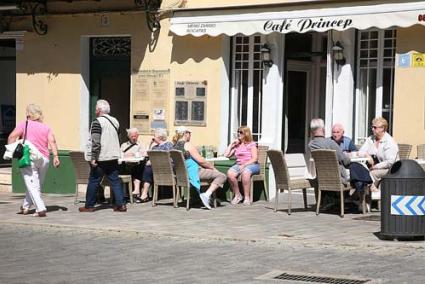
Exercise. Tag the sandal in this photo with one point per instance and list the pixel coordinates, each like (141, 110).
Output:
(247, 202)
(142, 200)
(237, 199)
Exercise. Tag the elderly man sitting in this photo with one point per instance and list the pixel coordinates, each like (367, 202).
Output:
(134, 148)
(344, 142)
(317, 128)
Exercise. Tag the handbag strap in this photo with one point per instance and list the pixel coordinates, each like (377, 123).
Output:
(25, 133)
(111, 123)
(129, 147)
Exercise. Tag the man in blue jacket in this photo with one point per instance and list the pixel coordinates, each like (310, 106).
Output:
(343, 142)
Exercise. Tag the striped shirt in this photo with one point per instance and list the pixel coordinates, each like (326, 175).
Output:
(243, 152)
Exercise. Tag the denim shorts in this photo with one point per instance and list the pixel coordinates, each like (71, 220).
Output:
(252, 168)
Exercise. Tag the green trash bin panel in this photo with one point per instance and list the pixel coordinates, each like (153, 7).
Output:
(58, 180)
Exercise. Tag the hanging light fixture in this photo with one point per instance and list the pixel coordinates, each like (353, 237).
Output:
(266, 55)
(338, 53)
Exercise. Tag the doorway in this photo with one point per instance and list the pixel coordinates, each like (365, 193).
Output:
(7, 92)
(305, 87)
(297, 93)
(110, 71)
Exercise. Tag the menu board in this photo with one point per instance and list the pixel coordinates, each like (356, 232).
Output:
(150, 90)
(190, 102)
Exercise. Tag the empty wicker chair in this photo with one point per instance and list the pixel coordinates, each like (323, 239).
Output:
(82, 170)
(163, 174)
(262, 160)
(125, 180)
(328, 177)
(404, 151)
(283, 181)
(182, 178)
(82, 173)
(421, 151)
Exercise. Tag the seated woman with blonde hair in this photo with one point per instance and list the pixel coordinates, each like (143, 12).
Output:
(382, 151)
(246, 152)
(197, 168)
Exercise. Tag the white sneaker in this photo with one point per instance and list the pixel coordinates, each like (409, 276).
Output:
(205, 200)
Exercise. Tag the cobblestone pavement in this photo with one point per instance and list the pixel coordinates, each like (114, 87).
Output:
(230, 244)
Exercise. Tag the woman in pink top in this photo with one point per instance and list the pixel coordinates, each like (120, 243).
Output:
(246, 153)
(41, 136)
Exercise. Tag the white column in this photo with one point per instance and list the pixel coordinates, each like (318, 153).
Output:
(273, 101)
(343, 85)
(225, 87)
(84, 91)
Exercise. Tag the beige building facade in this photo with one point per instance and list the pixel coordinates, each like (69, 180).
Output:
(345, 61)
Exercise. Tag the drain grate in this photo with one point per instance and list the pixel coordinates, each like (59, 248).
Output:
(319, 279)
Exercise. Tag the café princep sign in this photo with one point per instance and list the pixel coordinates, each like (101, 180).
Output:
(306, 24)
(269, 26)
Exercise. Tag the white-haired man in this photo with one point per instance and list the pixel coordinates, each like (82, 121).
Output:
(344, 142)
(134, 148)
(317, 129)
(104, 157)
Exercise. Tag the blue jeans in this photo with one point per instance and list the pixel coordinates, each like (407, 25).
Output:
(110, 169)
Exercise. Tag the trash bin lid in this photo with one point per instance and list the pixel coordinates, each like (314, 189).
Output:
(405, 169)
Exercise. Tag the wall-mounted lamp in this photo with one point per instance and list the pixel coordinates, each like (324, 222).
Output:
(265, 55)
(338, 53)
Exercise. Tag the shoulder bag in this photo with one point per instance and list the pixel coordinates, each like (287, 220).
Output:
(19, 150)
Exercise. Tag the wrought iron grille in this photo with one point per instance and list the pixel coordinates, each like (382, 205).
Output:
(111, 46)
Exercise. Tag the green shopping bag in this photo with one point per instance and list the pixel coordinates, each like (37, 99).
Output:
(25, 161)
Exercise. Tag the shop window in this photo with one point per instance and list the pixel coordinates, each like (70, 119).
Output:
(247, 82)
(190, 103)
(375, 79)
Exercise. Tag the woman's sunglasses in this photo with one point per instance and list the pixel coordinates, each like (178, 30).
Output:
(240, 132)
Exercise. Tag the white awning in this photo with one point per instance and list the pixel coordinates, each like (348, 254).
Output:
(266, 21)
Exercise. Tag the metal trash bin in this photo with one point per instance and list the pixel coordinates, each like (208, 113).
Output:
(403, 200)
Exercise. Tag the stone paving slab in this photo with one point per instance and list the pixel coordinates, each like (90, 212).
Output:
(256, 224)
(61, 255)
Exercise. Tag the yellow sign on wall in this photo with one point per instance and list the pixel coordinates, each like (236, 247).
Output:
(418, 60)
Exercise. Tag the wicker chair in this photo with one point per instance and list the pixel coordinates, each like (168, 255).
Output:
(328, 178)
(262, 160)
(404, 151)
(82, 170)
(182, 178)
(163, 174)
(421, 151)
(125, 180)
(283, 181)
(82, 173)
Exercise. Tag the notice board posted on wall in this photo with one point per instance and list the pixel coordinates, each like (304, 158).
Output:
(190, 103)
(150, 98)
